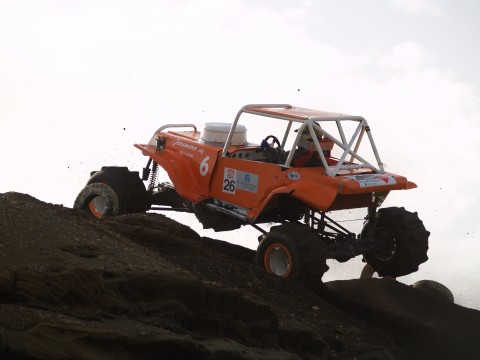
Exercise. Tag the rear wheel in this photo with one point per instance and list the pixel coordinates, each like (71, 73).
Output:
(404, 239)
(292, 251)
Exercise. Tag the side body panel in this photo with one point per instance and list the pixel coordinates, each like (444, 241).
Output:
(245, 183)
(198, 172)
(188, 163)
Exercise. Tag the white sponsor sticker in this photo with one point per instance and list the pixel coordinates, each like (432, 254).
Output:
(370, 180)
(229, 180)
(236, 179)
(247, 181)
(293, 175)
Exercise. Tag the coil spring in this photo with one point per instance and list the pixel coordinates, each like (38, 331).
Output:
(153, 176)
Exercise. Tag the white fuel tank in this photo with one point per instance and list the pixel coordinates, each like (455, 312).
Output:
(217, 132)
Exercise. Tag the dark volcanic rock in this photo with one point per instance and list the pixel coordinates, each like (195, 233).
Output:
(145, 287)
(425, 326)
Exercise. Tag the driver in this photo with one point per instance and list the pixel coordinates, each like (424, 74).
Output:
(306, 141)
(306, 154)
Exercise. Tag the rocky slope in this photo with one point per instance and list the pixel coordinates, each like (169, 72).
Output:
(146, 287)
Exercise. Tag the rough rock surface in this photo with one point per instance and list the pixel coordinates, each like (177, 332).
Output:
(145, 287)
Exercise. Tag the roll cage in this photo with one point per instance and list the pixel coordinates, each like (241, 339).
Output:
(312, 120)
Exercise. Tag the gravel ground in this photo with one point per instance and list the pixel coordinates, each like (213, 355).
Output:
(137, 286)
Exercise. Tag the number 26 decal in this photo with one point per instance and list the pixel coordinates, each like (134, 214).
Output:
(204, 166)
(229, 186)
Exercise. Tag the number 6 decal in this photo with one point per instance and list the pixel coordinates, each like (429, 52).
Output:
(204, 166)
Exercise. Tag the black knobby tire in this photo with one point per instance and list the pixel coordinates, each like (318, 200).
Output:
(131, 196)
(128, 185)
(405, 239)
(292, 251)
(434, 288)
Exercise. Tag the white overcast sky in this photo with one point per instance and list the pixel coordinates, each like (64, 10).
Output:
(81, 81)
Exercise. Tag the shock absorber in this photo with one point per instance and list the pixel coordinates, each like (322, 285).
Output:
(153, 176)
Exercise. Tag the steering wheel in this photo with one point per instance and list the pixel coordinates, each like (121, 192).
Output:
(275, 141)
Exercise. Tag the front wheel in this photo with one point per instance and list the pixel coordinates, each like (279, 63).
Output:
(99, 200)
(113, 191)
(292, 251)
(404, 239)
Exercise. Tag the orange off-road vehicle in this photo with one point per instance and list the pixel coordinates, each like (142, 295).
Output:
(309, 165)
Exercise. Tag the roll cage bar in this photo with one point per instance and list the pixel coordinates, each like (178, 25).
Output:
(308, 120)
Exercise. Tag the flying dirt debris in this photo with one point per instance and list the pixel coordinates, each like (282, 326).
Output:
(311, 165)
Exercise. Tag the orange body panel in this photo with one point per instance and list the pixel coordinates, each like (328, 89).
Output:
(198, 172)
